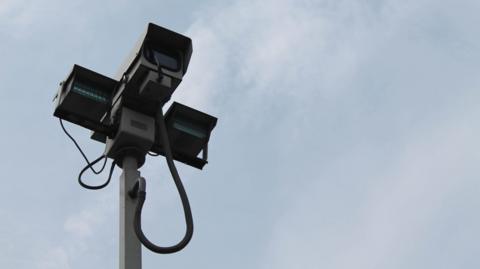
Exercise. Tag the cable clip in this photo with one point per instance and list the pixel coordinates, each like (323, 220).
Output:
(139, 189)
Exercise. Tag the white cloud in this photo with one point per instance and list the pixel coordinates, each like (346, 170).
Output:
(56, 258)
(7, 5)
(82, 230)
(346, 134)
(257, 50)
(82, 224)
(386, 221)
(372, 96)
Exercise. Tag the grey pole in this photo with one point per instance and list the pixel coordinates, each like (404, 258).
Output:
(130, 247)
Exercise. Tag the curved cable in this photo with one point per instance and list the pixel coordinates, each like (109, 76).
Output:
(90, 187)
(141, 194)
(81, 151)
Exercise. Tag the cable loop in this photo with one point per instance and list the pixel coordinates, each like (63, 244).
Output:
(140, 188)
(101, 186)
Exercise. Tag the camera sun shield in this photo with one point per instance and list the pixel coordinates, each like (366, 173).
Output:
(84, 98)
(162, 47)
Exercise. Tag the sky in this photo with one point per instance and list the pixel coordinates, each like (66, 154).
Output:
(347, 134)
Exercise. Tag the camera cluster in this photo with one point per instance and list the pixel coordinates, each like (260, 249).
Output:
(124, 112)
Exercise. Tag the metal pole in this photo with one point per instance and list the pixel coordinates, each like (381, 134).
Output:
(130, 247)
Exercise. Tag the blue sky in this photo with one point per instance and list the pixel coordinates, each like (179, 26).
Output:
(347, 134)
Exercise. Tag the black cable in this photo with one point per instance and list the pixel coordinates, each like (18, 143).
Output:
(80, 181)
(141, 195)
(81, 151)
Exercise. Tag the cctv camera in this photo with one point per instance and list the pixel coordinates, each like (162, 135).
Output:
(153, 70)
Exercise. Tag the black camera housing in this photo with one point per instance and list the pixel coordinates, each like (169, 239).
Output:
(84, 98)
(153, 70)
(188, 132)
